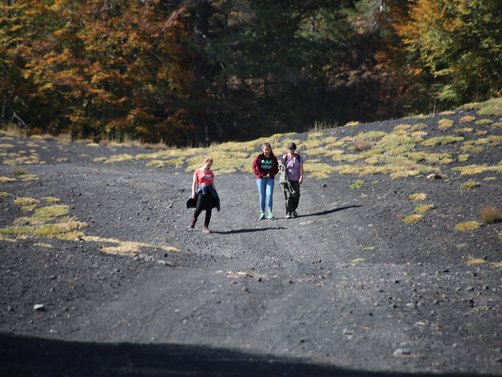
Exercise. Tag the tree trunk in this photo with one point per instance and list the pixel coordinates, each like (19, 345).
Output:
(200, 66)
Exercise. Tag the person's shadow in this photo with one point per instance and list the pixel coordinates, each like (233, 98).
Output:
(327, 212)
(247, 230)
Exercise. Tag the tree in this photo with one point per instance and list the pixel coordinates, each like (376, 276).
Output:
(454, 48)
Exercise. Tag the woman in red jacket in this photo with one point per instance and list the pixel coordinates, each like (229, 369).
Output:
(265, 167)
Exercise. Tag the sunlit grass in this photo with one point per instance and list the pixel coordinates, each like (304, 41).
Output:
(467, 119)
(7, 179)
(444, 124)
(417, 196)
(27, 204)
(51, 199)
(478, 169)
(475, 261)
(319, 170)
(463, 157)
(469, 185)
(51, 212)
(491, 107)
(441, 140)
(467, 226)
(424, 208)
(483, 122)
(412, 219)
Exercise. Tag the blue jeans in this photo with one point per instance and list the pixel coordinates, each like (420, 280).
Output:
(266, 191)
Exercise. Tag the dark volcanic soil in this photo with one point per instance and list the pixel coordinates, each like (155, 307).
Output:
(344, 289)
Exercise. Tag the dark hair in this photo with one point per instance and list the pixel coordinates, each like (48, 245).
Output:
(291, 146)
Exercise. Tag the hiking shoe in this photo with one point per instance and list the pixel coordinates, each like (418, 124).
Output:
(205, 230)
(192, 225)
(294, 214)
(262, 216)
(288, 215)
(270, 216)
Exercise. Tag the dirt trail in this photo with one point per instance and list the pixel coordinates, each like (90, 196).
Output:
(283, 287)
(324, 287)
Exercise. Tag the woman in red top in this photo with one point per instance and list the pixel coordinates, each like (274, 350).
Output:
(204, 190)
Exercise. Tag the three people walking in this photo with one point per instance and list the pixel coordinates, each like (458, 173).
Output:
(265, 167)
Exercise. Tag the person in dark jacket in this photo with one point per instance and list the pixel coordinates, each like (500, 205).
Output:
(204, 192)
(265, 167)
(293, 163)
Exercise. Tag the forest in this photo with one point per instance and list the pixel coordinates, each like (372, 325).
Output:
(195, 72)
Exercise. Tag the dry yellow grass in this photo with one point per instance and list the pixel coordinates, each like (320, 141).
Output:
(422, 209)
(467, 226)
(467, 119)
(475, 261)
(7, 180)
(417, 196)
(444, 124)
(469, 185)
(412, 219)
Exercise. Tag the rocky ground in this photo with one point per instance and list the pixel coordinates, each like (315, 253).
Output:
(347, 288)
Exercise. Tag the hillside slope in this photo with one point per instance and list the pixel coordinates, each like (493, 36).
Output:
(389, 268)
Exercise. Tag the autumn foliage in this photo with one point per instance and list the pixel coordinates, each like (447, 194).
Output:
(191, 72)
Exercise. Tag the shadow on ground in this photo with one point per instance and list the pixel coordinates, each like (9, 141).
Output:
(327, 212)
(28, 356)
(250, 230)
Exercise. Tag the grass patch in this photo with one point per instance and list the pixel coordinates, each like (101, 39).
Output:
(478, 169)
(463, 157)
(417, 197)
(51, 199)
(352, 124)
(412, 219)
(468, 226)
(475, 261)
(319, 170)
(4, 194)
(43, 244)
(490, 214)
(99, 159)
(119, 158)
(51, 212)
(469, 185)
(424, 208)
(467, 119)
(497, 264)
(444, 124)
(356, 185)
(441, 140)
(7, 180)
(483, 122)
(491, 107)
(27, 204)
(19, 172)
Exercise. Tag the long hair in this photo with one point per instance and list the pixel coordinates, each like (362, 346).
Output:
(267, 144)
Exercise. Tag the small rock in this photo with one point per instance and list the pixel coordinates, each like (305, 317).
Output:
(401, 351)
(39, 307)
